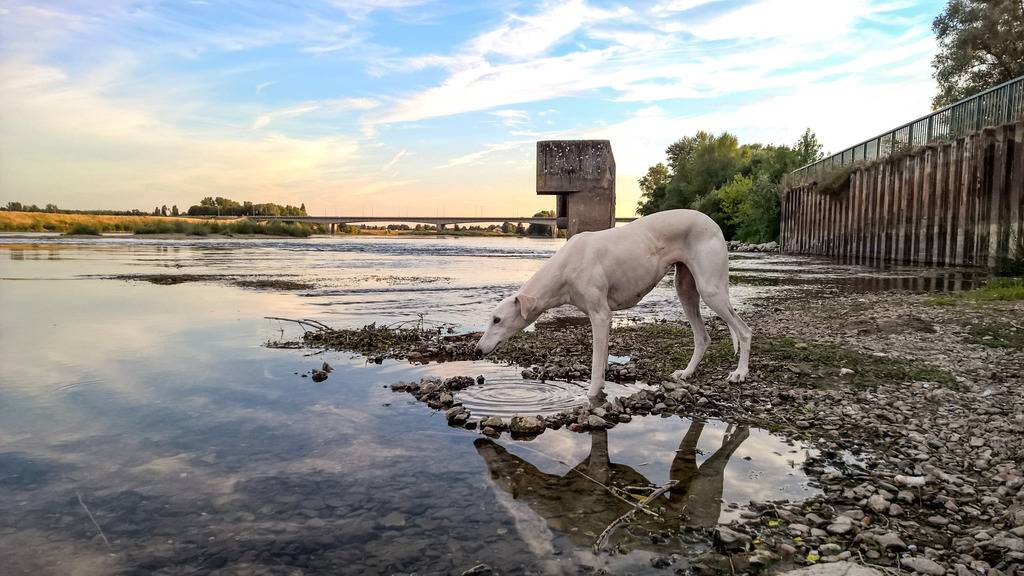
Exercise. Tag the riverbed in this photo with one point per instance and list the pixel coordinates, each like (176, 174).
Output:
(146, 428)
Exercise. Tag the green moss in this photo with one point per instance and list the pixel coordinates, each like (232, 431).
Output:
(998, 335)
(996, 289)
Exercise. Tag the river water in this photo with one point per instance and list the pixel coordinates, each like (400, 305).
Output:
(146, 428)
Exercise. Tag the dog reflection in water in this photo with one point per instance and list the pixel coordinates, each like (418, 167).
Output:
(575, 505)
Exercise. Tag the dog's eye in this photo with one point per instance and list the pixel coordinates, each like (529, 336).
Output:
(496, 320)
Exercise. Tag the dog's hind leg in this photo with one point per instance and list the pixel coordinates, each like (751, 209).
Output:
(711, 274)
(690, 299)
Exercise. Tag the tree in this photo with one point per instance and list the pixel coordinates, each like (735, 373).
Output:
(980, 46)
(808, 149)
(156, 211)
(709, 161)
(174, 210)
(163, 210)
(52, 208)
(652, 187)
(540, 229)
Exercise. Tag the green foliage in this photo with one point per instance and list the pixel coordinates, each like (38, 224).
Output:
(219, 206)
(80, 229)
(540, 229)
(996, 289)
(737, 185)
(980, 46)
(247, 227)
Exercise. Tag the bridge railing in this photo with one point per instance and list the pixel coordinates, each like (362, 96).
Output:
(997, 105)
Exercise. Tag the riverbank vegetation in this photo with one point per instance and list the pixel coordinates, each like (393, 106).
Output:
(92, 224)
(737, 185)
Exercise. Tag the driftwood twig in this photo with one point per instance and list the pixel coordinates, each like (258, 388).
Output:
(625, 517)
(303, 323)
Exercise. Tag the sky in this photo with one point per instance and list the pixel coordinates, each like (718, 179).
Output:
(421, 107)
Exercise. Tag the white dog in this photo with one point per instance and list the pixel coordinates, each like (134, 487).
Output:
(600, 272)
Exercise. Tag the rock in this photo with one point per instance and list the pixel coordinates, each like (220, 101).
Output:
(488, 431)
(891, 541)
(526, 425)
(596, 422)
(845, 371)
(910, 480)
(494, 422)
(393, 520)
(660, 562)
(922, 565)
(319, 375)
(730, 540)
(480, 380)
(830, 549)
(327, 367)
(479, 570)
(895, 509)
(878, 504)
(834, 569)
(1007, 543)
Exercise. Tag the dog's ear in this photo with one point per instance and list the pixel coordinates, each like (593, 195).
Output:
(526, 305)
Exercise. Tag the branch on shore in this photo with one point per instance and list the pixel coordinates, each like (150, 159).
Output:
(303, 322)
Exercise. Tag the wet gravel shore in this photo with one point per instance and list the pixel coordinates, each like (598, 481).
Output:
(915, 405)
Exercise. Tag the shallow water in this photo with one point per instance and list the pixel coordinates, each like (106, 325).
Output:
(146, 429)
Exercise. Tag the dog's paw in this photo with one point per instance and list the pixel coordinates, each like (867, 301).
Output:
(737, 376)
(680, 375)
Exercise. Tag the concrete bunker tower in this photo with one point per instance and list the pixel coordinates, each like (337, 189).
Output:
(581, 174)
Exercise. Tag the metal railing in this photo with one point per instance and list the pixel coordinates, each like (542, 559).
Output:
(997, 105)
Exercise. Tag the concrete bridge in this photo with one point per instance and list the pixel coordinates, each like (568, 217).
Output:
(441, 222)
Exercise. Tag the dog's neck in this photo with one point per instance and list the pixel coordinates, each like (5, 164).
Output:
(545, 291)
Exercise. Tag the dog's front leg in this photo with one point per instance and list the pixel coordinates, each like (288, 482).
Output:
(600, 323)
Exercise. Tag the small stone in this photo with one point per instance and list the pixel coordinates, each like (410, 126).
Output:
(834, 569)
(830, 549)
(327, 367)
(488, 431)
(494, 422)
(319, 375)
(878, 504)
(393, 520)
(891, 541)
(480, 379)
(526, 425)
(596, 422)
(895, 509)
(730, 540)
(923, 565)
(660, 562)
(845, 371)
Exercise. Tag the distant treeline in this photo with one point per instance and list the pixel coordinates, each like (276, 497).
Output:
(218, 206)
(208, 206)
(54, 209)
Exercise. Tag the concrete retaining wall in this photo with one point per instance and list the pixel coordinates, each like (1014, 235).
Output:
(947, 203)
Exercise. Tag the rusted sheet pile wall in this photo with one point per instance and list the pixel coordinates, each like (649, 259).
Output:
(947, 203)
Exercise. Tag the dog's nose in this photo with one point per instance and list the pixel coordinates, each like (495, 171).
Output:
(478, 352)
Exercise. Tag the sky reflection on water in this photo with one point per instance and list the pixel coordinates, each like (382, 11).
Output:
(196, 448)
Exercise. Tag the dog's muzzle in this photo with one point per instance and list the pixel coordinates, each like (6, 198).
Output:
(478, 352)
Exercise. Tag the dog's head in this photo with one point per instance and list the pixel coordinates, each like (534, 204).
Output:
(512, 315)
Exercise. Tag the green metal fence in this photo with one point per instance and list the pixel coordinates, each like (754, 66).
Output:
(997, 105)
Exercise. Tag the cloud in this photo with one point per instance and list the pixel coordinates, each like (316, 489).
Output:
(512, 117)
(394, 160)
(264, 119)
(263, 86)
(770, 44)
